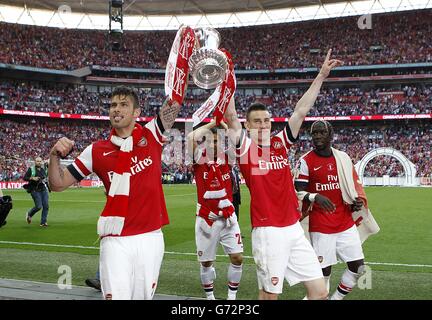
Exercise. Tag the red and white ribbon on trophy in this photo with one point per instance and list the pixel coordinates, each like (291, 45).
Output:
(220, 99)
(177, 70)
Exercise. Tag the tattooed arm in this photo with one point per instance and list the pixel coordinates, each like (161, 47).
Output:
(233, 122)
(168, 113)
(60, 178)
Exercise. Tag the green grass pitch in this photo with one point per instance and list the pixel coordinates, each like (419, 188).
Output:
(400, 255)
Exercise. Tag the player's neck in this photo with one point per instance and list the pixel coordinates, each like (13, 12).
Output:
(124, 132)
(327, 152)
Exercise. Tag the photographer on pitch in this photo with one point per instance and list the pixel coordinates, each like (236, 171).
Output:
(38, 188)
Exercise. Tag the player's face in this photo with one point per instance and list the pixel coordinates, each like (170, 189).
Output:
(259, 126)
(122, 112)
(214, 146)
(320, 137)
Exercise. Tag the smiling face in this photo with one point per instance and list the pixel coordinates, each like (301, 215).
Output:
(258, 123)
(122, 112)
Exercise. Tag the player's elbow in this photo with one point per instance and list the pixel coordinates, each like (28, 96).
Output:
(300, 112)
(56, 187)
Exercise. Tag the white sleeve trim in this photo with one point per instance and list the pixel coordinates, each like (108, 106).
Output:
(245, 144)
(86, 157)
(154, 129)
(304, 169)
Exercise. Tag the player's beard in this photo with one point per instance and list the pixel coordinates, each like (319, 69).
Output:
(321, 144)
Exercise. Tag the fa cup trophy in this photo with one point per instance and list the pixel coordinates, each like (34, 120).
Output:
(207, 64)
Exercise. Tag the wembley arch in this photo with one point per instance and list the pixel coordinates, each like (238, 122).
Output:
(408, 167)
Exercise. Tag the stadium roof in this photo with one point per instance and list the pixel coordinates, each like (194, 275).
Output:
(170, 14)
(169, 7)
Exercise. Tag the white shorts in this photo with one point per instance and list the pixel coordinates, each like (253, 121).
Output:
(129, 266)
(283, 253)
(207, 243)
(346, 245)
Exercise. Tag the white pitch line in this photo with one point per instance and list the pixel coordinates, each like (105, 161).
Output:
(192, 254)
(48, 245)
(50, 200)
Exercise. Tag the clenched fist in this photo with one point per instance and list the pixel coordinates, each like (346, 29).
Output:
(62, 148)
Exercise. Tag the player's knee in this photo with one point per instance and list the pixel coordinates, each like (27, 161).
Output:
(265, 295)
(321, 294)
(207, 264)
(236, 259)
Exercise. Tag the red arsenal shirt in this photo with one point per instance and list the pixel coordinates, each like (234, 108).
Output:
(321, 175)
(268, 176)
(201, 170)
(147, 210)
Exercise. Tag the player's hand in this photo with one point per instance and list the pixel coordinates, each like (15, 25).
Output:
(329, 64)
(325, 203)
(213, 216)
(62, 148)
(357, 205)
(224, 125)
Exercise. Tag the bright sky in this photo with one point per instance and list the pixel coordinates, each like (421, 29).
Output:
(64, 18)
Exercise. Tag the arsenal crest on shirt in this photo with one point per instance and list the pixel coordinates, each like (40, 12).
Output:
(277, 144)
(142, 142)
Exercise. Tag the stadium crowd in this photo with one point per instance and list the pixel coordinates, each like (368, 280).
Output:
(342, 101)
(393, 38)
(21, 141)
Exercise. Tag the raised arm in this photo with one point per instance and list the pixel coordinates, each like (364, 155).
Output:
(60, 178)
(308, 99)
(168, 113)
(234, 125)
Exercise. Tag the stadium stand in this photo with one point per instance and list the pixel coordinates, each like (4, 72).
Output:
(293, 45)
(332, 101)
